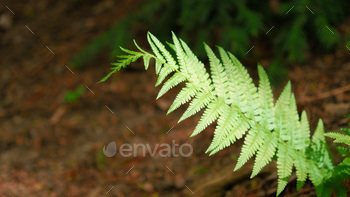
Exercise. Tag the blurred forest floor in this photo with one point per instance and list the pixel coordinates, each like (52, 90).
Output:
(49, 147)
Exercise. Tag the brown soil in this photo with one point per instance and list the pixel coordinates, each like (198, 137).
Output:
(50, 147)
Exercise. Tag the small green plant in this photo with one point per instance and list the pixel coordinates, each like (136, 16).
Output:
(228, 95)
(74, 95)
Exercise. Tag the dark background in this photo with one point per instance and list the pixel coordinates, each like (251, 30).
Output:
(53, 128)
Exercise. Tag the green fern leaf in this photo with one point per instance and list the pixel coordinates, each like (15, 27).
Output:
(201, 100)
(214, 109)
(197, 70)
(296, 134)
(180, 53)
(282, 113)
(164, 72)
(239, 127)
(146, 60)
(224, 125)
(284, 165)
(233, 86)
(267, 111)
(339, 138)
(300, 163)
(284, 160)
(318, 136)
(167, 56)
(155, 49)
(174, 80)
(134, 53)
(218, 74)
(247, 91)
(315, 174)
(282, 183)
(321, 149)
(108, 75)
(265, 153)
(305, 128)
(252, 142)
(184, 96)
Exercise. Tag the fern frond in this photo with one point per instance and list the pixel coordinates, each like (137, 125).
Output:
(284, 160)
(224, 126)
(252, 142)
(198, 73)
(284, 165)
(315, 174)
(339, 138)
(154, 48)
(184, 96)
(214, 109)
(239, 128)
(166, 56)
(229, 96)
(294, 127)
(180, 53)
(320, 148)
(267, 111)
(247, 91)
(201, 100)
(318, 137)
(282, 113)
(174, 80)
(300, 163)
(218, 74)
(265, 153)
(304, 126)
(266, 118)
(123, 61)
(164, 72)
(233, 86)
(146, 60)
(281, 184)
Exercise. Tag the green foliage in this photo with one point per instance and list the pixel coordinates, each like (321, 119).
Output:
(234, 25)
(342, 170)
(339, 138)
(74, 95)
(242, 110)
